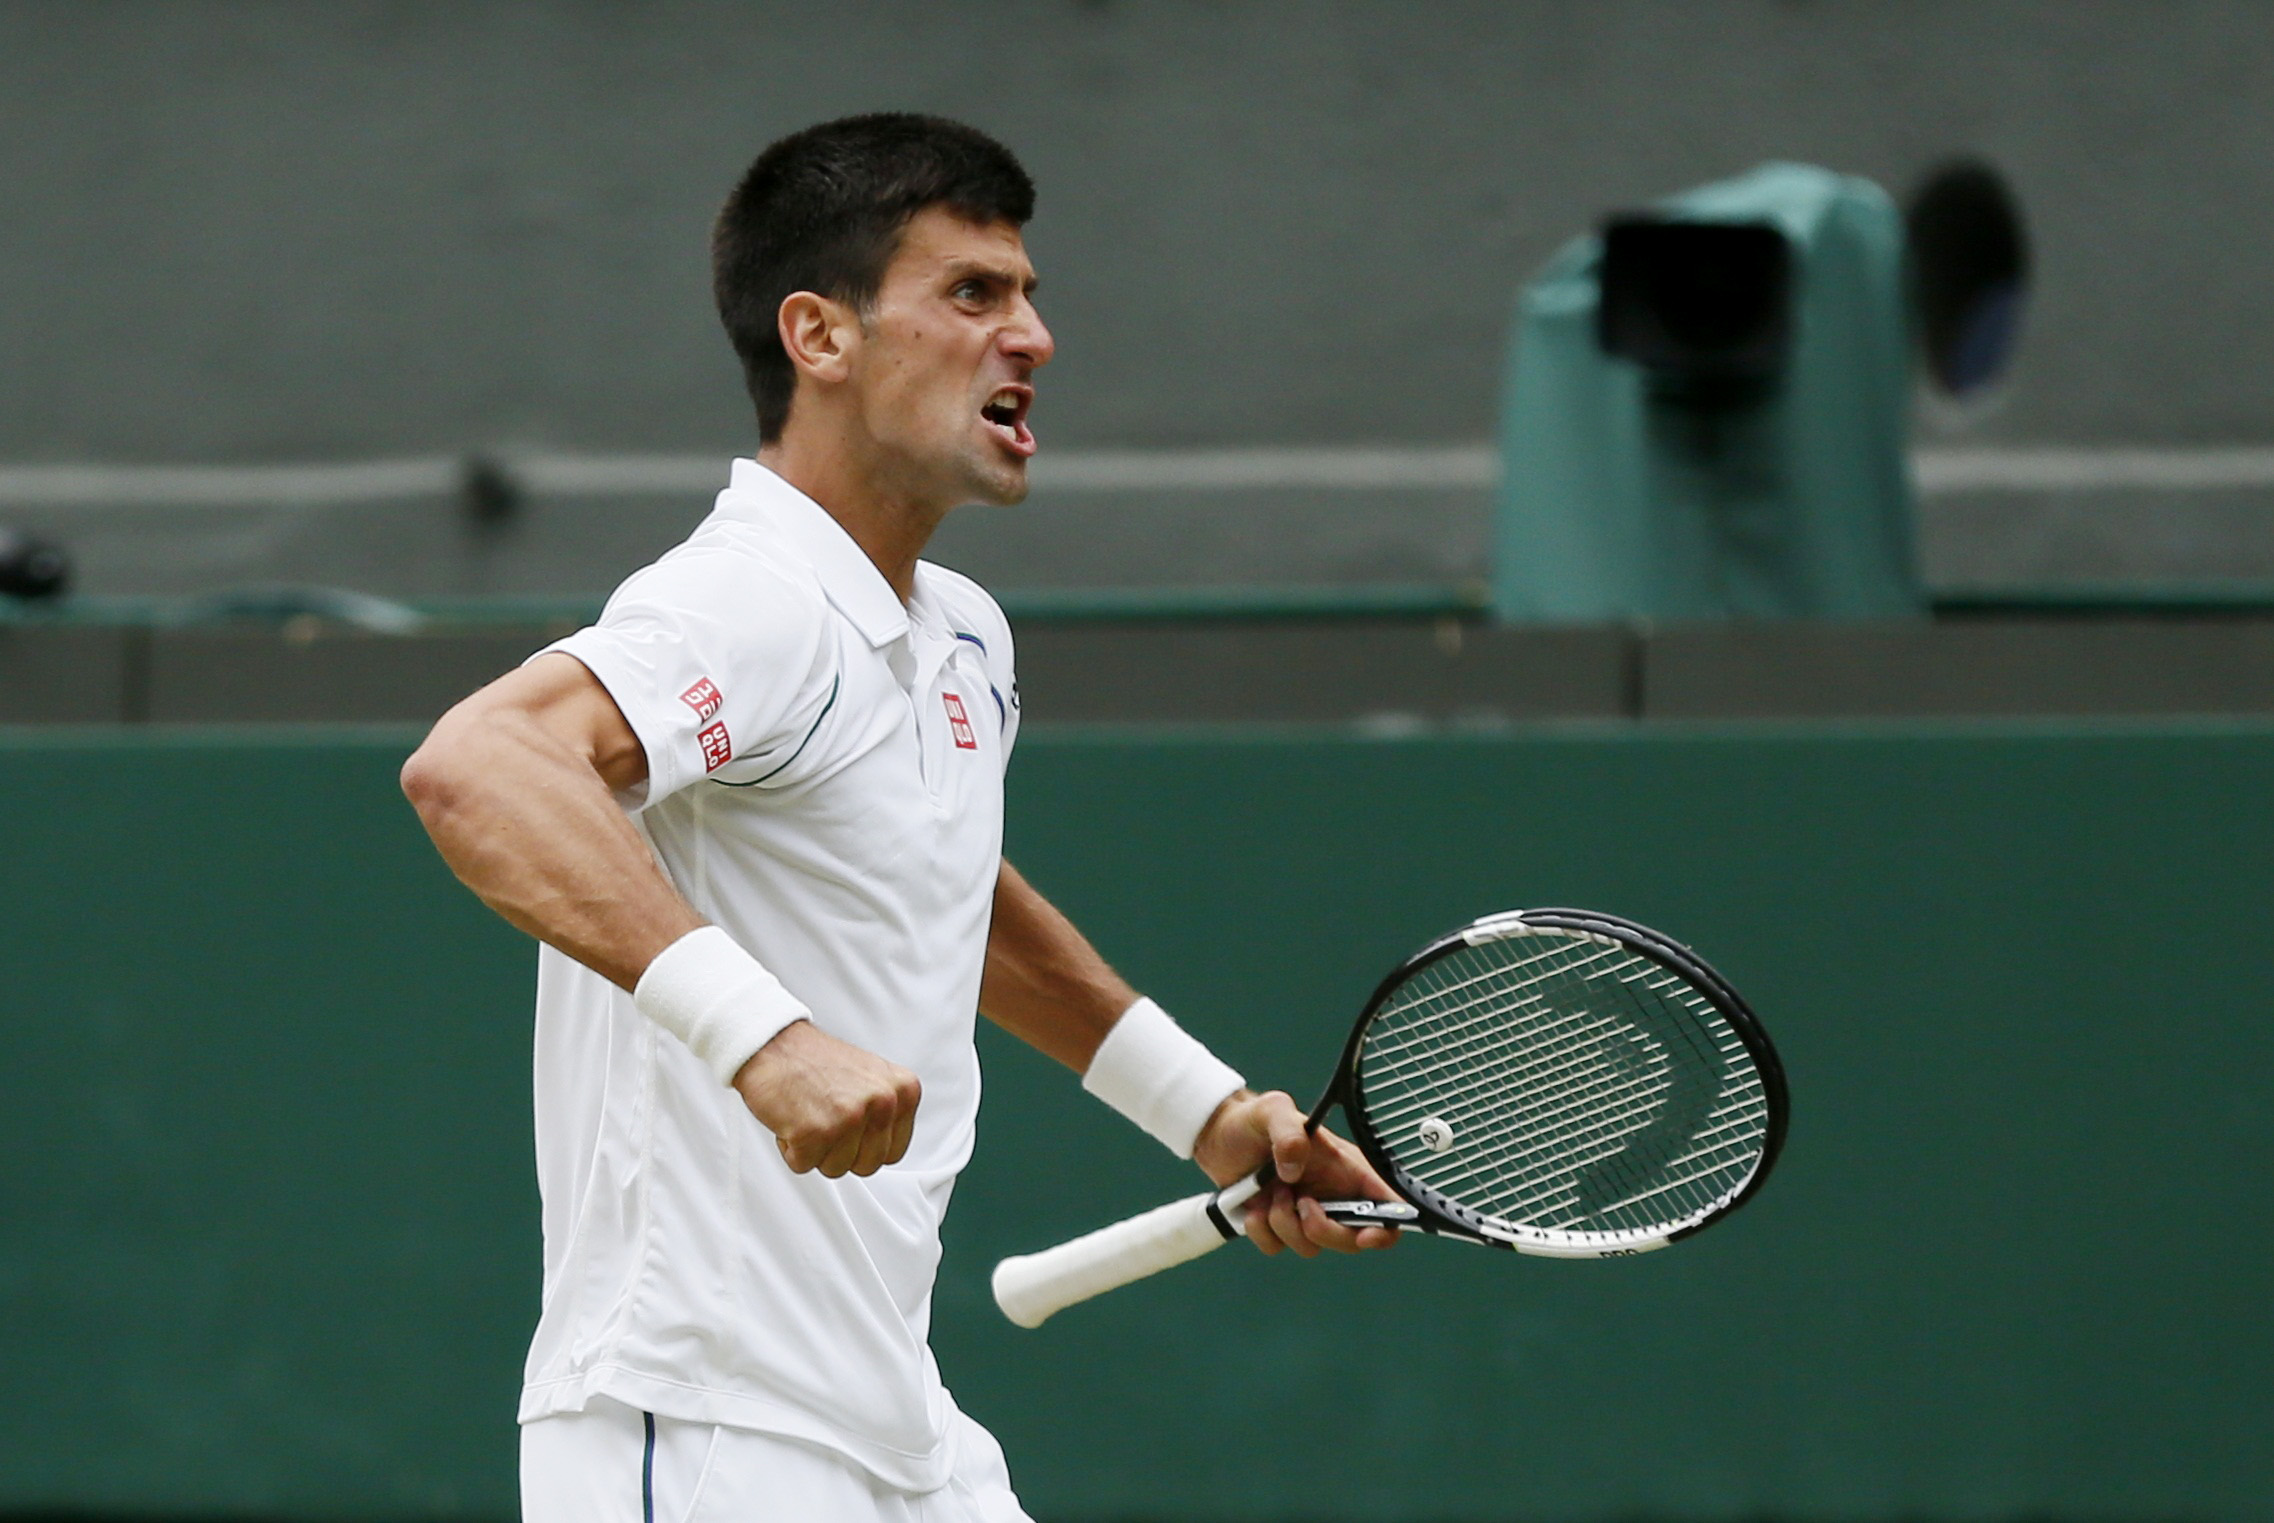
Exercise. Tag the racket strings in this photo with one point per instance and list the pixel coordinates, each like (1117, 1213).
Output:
(1592, 1118)
(1571, 1084)
(1480, 1048)
(1548, 1082)
(1636, 1168)
(1600, 1097)
(1614, 1154)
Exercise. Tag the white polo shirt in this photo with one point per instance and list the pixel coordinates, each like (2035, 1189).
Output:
(825, 783)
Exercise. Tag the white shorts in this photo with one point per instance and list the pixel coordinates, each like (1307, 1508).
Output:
(613, 1464)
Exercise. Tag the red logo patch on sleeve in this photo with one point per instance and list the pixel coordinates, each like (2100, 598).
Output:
(717, 749)
(704, 698)
(959, 724)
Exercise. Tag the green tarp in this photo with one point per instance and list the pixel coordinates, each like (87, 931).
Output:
(1616, 506)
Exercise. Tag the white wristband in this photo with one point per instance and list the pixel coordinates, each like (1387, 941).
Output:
(716, 998)
(1160, 1076)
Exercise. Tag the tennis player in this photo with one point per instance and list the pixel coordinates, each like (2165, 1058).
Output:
(755, 817)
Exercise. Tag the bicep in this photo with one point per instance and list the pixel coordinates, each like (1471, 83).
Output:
(558, 698)
(513, 785)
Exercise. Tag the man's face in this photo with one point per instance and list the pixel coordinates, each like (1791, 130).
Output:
(947, 361)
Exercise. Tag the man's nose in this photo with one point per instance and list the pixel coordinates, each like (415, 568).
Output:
(1028, 339)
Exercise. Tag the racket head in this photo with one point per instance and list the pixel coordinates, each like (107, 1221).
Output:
(1565, 1083)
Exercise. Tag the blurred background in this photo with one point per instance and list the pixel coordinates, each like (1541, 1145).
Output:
(1797, 473)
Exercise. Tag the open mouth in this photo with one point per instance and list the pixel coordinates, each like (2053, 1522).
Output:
(1005, 413)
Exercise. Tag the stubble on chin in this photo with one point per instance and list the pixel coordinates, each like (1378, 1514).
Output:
(997, 486)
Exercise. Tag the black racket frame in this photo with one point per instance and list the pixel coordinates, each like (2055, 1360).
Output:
(1440, 1216)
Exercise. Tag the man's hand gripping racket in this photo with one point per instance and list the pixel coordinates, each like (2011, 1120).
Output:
(1558, 1082)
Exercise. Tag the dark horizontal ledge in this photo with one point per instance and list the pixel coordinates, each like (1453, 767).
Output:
(1198, 604)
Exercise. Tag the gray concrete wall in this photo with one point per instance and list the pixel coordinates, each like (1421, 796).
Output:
(256, 229)
(267, 231)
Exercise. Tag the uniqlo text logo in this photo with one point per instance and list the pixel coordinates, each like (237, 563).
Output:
(959, 724)
(704, 698)
(717, 749)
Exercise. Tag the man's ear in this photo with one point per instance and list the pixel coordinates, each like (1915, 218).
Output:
(819, 335)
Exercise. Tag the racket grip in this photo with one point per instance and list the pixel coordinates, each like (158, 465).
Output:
(1031, 1287)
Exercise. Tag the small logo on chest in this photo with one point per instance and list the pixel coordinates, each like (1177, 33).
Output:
(959, 724)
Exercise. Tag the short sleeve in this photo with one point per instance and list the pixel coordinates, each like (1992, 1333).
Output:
(710, 654)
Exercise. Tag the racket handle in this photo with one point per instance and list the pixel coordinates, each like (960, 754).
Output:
(1032, 1286)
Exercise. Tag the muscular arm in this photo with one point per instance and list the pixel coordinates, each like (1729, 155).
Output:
(1046, 985)
(516, 786)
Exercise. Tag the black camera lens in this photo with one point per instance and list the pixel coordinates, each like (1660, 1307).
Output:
(31, 568)
(1699, 301)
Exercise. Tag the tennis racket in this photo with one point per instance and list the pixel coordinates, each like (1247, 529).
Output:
(1558, 1082)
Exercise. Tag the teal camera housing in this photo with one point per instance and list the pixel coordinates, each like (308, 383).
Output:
(1707, 413)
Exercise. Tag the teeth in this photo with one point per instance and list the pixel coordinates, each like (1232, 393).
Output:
(1007, 400)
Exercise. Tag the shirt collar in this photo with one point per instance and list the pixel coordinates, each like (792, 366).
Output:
(849, 578)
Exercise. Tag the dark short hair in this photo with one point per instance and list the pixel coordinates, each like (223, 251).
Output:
(822, 210)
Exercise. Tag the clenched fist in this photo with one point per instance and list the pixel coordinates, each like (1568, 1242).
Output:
(830, 1105)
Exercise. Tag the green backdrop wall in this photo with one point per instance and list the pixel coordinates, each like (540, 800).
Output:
(268, 1236)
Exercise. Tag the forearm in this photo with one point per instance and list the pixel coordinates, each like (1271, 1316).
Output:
(1045, 983)
(528, 824)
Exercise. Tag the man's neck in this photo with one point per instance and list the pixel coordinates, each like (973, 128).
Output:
(890, 524)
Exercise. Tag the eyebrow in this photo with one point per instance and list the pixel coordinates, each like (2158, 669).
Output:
(966, 269)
